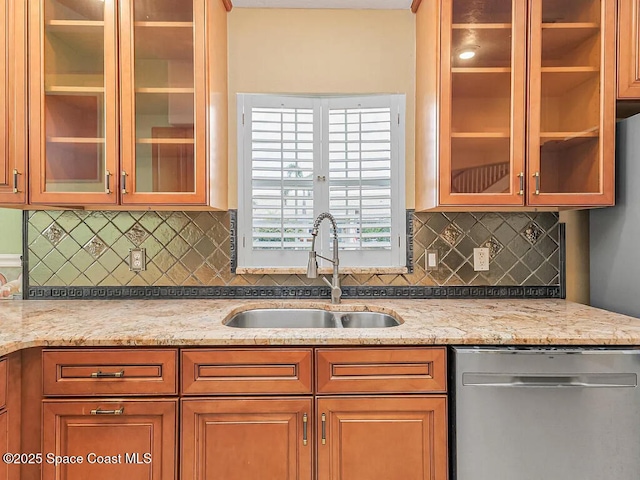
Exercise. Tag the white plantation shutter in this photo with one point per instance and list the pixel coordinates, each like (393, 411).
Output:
(300, 156)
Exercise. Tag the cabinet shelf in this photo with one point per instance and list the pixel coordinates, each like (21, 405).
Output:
(481, 26)
(164, 24)
(561, 42)
(559, 80)
(488, 82)
(70, 90)
(166, 141)
(164, 90)
(480, 135)
(74, 25)
(86, 140)
(82, 36)
(568, 139)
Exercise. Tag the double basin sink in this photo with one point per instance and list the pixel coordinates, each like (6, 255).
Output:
(309, 318)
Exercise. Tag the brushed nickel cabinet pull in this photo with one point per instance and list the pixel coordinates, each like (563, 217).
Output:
(521, 176)
(99, 411)
(107, 182)
(537, 177)
(124, 182)
(101, 374)
(15, 180)
(304, 429)
(324, 429)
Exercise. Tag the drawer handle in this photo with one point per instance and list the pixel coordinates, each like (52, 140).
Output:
(99, 411)
(324, 429)
(305, 420)
(101, 374)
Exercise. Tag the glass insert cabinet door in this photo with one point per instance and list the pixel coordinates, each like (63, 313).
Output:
(73, 95)
(163, 102)
(483, 102)
(572, 102)
(13, 102)
(117, 102)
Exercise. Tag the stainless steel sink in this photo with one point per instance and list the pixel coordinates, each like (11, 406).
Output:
(309, 318)
(367, 320)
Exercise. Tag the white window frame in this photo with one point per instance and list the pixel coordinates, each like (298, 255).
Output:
(274, 259)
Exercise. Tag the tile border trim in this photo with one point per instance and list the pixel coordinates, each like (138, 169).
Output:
(314, 292)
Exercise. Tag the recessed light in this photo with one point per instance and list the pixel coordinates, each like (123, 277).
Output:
(467, 53)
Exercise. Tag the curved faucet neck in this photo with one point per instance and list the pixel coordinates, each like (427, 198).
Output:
(318, 221)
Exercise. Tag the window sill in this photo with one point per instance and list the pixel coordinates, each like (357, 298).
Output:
(323, 271)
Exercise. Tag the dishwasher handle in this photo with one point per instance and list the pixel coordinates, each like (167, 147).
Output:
(588, 380)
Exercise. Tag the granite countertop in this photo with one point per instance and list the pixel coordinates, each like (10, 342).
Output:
(200, 322)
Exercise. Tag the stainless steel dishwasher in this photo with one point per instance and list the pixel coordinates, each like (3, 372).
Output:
(546, 413)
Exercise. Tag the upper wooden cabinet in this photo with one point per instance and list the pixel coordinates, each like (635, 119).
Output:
(521, 107)
(13, 102)
(628, 49)
(119, 101)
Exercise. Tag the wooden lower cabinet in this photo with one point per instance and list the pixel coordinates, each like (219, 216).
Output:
(382, 438)
(4, 443)
(132, 440)
(247, 438)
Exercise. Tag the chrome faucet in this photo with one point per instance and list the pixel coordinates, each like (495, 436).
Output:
(312, 267)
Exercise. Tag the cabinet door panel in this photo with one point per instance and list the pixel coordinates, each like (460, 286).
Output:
(239, 439)
(142, 427)
(382, 438)
(572, 102)
(73, 136)
(13, 102)
(483, 102)
(4, 443)
(628, 49)
(163, 102)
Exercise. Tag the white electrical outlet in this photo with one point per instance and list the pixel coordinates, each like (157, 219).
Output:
(431, 260)
(137, 260)
(481, 259)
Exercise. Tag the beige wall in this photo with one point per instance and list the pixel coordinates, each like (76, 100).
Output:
(321, 52)
(577, 224)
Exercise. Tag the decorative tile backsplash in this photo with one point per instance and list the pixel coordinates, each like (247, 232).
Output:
(80, 248)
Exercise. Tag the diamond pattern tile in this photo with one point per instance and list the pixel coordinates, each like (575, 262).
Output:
(137, 234)
(532, 233)
(494, 246)
(95, 247)
(451, 234)
(68, 220)
(54, 233)
(194, 248)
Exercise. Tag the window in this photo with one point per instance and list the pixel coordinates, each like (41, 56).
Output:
(301, 156)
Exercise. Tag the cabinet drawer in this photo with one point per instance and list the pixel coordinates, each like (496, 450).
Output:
(110, 372)
(381, 370)
(245, 371)
(3, 383)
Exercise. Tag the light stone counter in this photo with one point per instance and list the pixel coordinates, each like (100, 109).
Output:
(200, 322)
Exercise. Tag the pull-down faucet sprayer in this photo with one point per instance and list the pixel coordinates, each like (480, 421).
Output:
(312, 267)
